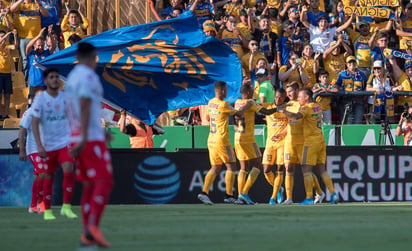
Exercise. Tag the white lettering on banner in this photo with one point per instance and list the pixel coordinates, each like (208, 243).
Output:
(364, 192)
(405, 165)
(381, 167)
(221, 184)
(332, 164)
(391, 167)
(391, 195)
(196, 182)
(356, 173)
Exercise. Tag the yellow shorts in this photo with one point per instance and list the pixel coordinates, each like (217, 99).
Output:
(219, 154)
(274, 154)
(314, 154)
(293, 152)
(247, 151)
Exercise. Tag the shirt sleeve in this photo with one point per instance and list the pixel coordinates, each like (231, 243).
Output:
(24, 122)
(227, 108)
(37, 109)
(85, 89)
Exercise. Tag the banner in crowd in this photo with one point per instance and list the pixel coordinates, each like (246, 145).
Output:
(155, 67)
(397, 54)
(368, 11)
(390, 3)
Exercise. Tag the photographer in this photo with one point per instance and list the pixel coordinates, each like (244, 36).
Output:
(405, 126)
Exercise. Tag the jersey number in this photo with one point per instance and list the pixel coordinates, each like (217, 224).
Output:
(212, 126)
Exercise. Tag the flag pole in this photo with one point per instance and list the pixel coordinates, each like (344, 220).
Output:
(148, 19)
(89, 16)
(117, 13)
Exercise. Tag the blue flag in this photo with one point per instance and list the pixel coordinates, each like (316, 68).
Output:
(155, 67)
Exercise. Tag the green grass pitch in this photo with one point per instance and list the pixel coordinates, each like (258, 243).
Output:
(347, 226)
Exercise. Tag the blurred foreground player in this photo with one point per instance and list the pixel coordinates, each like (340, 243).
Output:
(84, 94)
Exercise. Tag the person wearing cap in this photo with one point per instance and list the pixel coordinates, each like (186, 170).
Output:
(289, 41)
(321, 35)
(403, 78)
(351, 80)
(209, 28)
(265, 38)
(381, 104)
(334, 60)
(314, 14)
(266, 92)
(404, 30)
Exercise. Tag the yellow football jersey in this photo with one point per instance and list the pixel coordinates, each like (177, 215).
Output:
(334, 65)
(219, 112)
(245, 126)
(295, 127)
(312, 123)
(275, 124)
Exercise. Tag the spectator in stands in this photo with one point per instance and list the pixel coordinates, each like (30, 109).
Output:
(290, 41)
(381, 105)
(260, 6)
(334, 60)
(209, 28)
(140, 134)
(6, 86)
(73, 23)
(314, 14)
(338, 14)
(293, 72)
(351, 80)
(275, 22)
(321, 36)
(35, 52)
(243, 25)
(230, 34)
(203, 10)
(265, 38)
(403, 78)
(233, 8)
(168, 10)
(405, 127)
(261, 63)
(378, 45)
(249, 60)
(310, 64)
(54, 7)
(74, 38)
(266, 92)
(52, 43)
(404, 29)
(28, 24)
(5, 23)
(324, 86)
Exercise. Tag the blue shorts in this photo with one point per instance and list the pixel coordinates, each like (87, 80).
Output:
(6, 85)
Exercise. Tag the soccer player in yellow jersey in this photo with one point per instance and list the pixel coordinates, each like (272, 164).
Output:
(314, 147)
(273, 155)
(293, 145)
(247, 151)
(219, 146)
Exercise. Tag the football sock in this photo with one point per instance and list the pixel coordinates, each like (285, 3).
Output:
(253, 174)
(68, 185)
(47, 192)
(328, 182)
(289, 185)
(230, 180)
(277, 184)
(308, 181)
(270, 177)
(34, 193)
(98, 200)
(241, 179)
(85, 202)
(316, 184)
(209, 179)
(39, 189)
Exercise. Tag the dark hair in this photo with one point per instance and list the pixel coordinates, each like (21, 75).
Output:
(2, 31)
(48, 71)
(307, 91)
(281, 91)
(220, 85)
(273, 12)
(382, 34)
(74, 38)
(243, 12)
(85, 50)
(74, 12)
(322, 72)
(245, 89)
(178, 8)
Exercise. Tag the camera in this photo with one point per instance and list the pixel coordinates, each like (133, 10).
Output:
(406, 114)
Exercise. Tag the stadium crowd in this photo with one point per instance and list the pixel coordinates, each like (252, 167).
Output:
(327, 46)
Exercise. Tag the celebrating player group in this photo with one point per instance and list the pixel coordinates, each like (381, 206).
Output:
(294, 139)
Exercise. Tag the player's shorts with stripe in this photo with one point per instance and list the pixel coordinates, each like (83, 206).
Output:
(274, 154)
(94, 162)
(38, 162)
(293, 152)
(219, 154)
(313, 154)
(247, 151)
